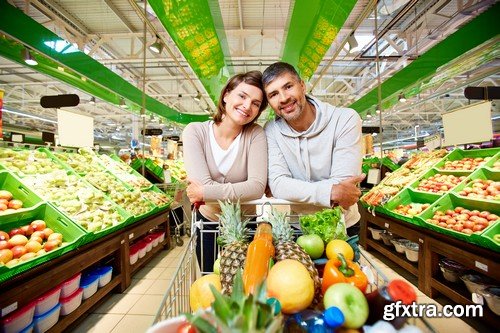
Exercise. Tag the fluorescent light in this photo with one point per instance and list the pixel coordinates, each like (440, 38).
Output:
(29, 116)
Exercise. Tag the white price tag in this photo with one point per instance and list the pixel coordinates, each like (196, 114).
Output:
(386, 225)
(9, 309)
(477, 299)
(482, 266)
(420, 240)
(131, 236)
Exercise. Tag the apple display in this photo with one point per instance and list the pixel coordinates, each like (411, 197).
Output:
(16, 231)
(439, 183)
(55, 237)
(50, 245)
(5, 245)
(6, 255)
(466, 163)
(350, 300)
(38, 225)
(463, 220)
(18, 251)
(27, 230)
(33, 246)
(484, 189)
(18, 240)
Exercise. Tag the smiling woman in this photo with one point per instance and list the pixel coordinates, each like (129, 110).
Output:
(226, 159)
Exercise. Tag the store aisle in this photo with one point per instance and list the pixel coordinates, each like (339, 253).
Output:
(133, 311)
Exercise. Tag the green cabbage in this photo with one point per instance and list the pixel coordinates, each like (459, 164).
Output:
(327, 224)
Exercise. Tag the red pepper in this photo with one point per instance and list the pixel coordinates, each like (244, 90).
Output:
(343, 270)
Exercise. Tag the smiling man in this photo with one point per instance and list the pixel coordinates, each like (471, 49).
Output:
(314, 148)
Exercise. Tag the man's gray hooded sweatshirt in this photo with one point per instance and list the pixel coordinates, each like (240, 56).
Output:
(303, 166)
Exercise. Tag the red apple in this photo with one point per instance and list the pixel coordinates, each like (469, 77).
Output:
(16, 231)
(47, 232)
(55, 237)
(18, 240)
(27, 229)
(15, 204)
(39, 234)
(6, 256)
(38, 225)
(36, 239)
(5, 195)
(50, 245)
(33, 246)
(4, 236)
(18, 251)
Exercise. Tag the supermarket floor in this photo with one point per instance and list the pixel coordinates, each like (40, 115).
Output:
(134, 310)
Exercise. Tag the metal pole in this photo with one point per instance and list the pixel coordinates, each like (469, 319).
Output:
(379, 85)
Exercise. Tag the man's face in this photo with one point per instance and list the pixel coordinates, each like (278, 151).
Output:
(287, 96)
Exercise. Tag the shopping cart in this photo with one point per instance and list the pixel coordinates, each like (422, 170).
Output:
(176, 299)
(176, 191)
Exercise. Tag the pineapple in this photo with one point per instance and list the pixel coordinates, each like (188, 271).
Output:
(286, 248)
(233, 237)
(239, 312)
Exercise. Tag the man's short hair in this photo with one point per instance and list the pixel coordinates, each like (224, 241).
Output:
(277, 69)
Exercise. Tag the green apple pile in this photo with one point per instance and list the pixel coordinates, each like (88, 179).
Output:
(158, 198)
(27, 162)
(79, 163)
(26, 242)
(122, 172)
(131, 201)
(86, 206)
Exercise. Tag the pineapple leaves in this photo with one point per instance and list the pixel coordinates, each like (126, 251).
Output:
(221, 305)
(238, 292)
(201, 324)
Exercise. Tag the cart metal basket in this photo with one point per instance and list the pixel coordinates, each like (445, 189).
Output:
(176, 299)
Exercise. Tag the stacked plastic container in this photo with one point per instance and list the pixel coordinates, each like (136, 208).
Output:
(144, 245)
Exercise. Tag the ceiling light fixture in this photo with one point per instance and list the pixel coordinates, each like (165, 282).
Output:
(123, 105)
(353, 43)
(402, 98)
(157, 46)
(197, 97)
(28, 57)
(92, 100)
(29, 116)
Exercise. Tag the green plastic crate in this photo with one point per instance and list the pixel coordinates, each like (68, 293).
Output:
(429, 174)
(406, 197)
(131, 170)
(459, 154)
(154, 188)
(22, 174)
(487, 239)
(450, 201)
(482, 173)
(19, 191)
(73, 235)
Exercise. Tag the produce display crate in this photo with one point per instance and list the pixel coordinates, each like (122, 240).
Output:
(459, 154)
(155, 189)
(127, 169)
(19, 191)
(487, 239)
(450, 201)
(32, 170)
(73, 235)
(406, 197)
(481, 173)
(148, 164)
(91, 235)
(431, 173)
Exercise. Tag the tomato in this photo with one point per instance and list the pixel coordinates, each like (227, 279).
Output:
(186, 328)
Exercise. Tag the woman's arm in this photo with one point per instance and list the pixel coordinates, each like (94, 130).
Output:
(256, 168)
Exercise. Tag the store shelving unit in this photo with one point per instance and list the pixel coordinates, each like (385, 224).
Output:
(23, 288)
(433, 245)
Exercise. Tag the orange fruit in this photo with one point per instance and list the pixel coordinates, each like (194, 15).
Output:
(290, 283)
(200, 295)
(339, 246)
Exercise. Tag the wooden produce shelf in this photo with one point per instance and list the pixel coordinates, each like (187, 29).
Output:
(394, 256)
(65, 321)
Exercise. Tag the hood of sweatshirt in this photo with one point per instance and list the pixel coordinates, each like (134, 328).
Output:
(323, 116)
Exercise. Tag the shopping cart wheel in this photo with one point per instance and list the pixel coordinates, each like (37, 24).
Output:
(179, 241)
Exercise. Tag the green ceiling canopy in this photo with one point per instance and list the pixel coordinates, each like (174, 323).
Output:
(313, 27)
(478, 31)
(191, 26)
(80, 70)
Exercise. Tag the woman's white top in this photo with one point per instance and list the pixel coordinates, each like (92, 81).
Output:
(224, 159)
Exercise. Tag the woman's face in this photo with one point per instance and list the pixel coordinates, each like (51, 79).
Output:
(243, 103)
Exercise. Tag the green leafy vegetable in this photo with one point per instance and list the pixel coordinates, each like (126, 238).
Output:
(327, 224)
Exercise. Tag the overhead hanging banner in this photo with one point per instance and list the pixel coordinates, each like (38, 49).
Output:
(75, 130)
(470, 124)
(1, 106)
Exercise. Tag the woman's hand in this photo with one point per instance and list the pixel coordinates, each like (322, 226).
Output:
(194, 191)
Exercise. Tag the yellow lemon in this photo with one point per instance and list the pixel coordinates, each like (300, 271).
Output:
(200, 295)
(290, 283)
(339, 246)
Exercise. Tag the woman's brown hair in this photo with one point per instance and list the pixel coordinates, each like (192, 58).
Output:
(253, 78)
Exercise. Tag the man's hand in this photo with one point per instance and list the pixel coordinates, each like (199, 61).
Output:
(194, 191)
(347, 192)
